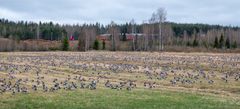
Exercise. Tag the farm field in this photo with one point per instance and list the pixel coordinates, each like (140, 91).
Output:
(119, 80)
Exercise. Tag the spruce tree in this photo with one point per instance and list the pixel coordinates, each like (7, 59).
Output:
(103, 45)
(221, 42)
(195, 43)
(227, 44)
(124, 37)
(234, 45)
(96, 45)
(188, 43)
(216, 42)
(65, 44)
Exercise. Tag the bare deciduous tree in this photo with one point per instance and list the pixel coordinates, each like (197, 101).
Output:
(114, 31)
(161, 16)
(133, 24)
(145, 35)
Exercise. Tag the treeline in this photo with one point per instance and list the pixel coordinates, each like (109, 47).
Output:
(174, 35)
(29, 30)
(154, 35)
(190, 29)
(23, 30)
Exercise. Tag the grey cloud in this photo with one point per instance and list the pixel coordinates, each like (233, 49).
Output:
(224, 12)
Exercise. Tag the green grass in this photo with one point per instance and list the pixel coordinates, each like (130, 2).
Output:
(113, 99)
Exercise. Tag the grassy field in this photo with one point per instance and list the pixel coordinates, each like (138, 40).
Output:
(110, 99)
(193, 91)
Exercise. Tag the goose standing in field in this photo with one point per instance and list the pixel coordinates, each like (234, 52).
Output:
(34, 87)
(237, 77)
(225, 77)
(108, 84)
(24, 90)
(82, 85)
(93, 85)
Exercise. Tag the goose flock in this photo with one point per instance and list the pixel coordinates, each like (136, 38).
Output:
(29, 72)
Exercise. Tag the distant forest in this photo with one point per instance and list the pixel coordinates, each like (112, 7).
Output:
(173, 34)
(23, 30)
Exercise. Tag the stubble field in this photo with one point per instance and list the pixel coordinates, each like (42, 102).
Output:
(119, 80)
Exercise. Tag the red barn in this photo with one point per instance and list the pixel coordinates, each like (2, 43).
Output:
(130, 36)
(104, 37)
(133, 36)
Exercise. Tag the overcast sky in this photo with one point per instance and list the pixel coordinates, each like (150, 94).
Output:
(223, 12)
